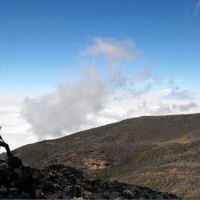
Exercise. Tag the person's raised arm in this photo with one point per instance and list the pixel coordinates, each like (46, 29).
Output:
(0, 135)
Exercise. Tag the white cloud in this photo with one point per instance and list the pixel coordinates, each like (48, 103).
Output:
(83, 103)
(177, 93)
(14, 128)
(79, 105)
(93, 99)
(69, 108)
(167, 108)
(186, 107)
(113, 50)
(96, 99)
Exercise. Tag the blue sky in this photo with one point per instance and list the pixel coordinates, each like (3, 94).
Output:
(151, 47)
(39, 38)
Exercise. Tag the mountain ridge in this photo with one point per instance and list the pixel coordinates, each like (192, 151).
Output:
(161, 152)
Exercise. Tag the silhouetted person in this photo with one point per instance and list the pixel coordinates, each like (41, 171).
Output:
(5, 145)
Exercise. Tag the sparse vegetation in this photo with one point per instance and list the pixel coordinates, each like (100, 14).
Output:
(157, 152)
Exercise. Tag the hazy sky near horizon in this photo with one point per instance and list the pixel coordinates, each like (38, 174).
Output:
(68, 65)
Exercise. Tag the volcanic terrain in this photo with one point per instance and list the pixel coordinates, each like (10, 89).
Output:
(159, 152)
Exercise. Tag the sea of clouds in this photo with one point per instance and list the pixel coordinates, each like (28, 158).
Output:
(96, 97)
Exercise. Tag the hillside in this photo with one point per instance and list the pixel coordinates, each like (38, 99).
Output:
(160, 152)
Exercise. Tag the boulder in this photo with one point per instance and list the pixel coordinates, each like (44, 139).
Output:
(58, 181)
(14, 162)
(15, 179)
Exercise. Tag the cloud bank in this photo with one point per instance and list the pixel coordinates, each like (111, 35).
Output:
(177, 93)
(75, 106)
(96, 98)
(14, 128)
(69, 108)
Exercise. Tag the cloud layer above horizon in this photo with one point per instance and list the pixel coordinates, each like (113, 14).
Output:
(97, 97)
(69, 66)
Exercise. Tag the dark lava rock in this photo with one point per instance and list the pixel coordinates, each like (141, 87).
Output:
(58, 181)
(15, 179)
(14, 162)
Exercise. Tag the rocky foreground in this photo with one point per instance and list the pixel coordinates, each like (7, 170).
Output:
(58, 181)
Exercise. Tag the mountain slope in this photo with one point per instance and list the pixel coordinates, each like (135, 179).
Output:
(160, 152)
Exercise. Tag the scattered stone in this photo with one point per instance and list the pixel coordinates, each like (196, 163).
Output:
(60, 182)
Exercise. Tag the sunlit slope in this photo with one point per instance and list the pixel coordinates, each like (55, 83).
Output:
(161, 152)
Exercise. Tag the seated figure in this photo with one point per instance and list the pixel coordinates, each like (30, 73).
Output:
(5, 145)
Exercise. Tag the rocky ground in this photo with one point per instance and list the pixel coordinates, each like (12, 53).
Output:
(159, 152)
(58, 181)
